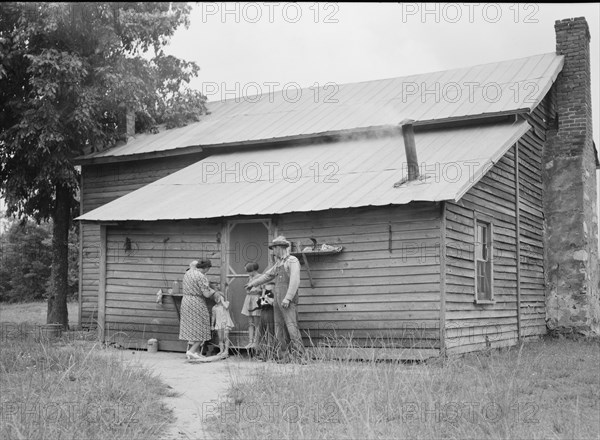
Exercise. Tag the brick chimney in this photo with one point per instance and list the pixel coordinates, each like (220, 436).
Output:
(571, 233)
(126, 123)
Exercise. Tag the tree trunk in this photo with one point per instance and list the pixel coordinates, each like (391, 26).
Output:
(57, 301)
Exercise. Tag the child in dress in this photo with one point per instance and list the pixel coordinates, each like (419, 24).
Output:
(222, 322)
(250, 308)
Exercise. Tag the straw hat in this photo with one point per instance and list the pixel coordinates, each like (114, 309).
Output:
(279, 241)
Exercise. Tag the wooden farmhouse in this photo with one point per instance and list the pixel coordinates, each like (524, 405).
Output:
(457, 209)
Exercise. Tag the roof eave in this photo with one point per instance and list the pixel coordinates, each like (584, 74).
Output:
(87, 160)
(494, 160)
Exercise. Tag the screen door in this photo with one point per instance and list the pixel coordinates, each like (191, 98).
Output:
(247, 241)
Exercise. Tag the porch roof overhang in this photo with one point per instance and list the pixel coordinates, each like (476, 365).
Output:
(354, 172)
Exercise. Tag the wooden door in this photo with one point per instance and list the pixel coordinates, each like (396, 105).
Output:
(247, 241)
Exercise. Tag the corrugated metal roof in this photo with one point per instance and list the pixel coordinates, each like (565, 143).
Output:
(349, 173)
(496, 88)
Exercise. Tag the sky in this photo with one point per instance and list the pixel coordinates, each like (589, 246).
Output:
(245, 48)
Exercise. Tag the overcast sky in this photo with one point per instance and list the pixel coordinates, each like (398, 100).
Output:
(239, 45)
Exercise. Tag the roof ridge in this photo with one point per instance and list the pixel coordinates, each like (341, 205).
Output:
(481, 91)
(370, 81)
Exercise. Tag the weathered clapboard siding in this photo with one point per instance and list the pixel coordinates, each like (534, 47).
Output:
(102, 184)
(89, 261)
(470, 326)
(160, 252)
(533, 297)
(367, 293)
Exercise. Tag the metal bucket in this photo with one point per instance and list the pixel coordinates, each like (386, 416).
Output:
(152, 345)
(50, 331)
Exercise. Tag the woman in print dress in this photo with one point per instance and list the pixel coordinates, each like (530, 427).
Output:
(194, 325)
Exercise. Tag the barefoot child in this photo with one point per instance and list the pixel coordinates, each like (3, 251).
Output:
(221, 321)
(250, 308)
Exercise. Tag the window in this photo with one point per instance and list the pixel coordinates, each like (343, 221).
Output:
(483, 262)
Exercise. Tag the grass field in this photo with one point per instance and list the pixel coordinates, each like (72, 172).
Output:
(34, 313)
(548, 389)
(541, 390)
(71, 387)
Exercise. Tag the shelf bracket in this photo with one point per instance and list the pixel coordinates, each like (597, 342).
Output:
(312, 284)
(176, 298)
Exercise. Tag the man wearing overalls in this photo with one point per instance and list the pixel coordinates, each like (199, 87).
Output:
(285, 273)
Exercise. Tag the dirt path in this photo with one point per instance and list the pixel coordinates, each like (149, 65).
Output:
(198, 385)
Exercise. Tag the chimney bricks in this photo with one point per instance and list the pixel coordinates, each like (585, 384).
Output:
(572, 300)
(126, 123)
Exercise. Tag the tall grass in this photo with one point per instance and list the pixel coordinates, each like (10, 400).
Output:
(67, 389)
(541, 390)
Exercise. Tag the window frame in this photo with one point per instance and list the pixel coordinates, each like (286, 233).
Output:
(487, 221)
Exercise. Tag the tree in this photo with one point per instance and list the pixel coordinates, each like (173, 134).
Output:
(67, 72)
(25, 260)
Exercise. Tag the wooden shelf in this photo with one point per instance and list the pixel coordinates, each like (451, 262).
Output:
(311, 253)
(306, 254)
